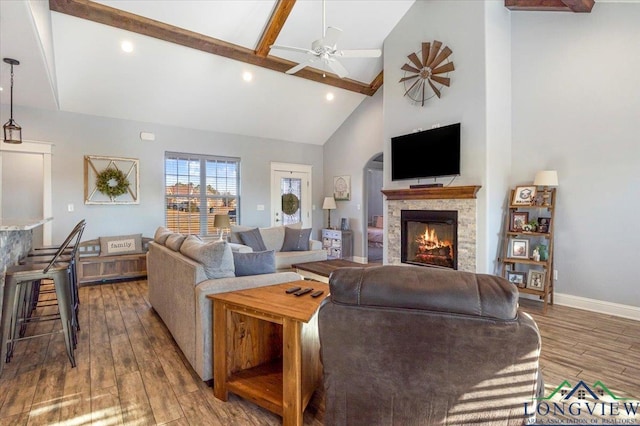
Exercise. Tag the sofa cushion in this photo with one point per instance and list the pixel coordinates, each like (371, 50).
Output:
(285, 259)
(175, 240)
(273, 237)
(253, 239)
(161, 235)
(296, 239)
(215, 256)
(255, 263)
(121, 244)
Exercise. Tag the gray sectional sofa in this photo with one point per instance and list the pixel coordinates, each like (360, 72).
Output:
(179, 285)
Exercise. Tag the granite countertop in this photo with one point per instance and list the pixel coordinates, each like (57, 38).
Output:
(21, 224)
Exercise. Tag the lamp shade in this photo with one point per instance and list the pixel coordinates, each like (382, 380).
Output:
(546, 178)
(329, 203)
(221, 221)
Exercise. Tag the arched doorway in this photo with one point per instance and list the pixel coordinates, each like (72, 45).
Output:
(374, 209)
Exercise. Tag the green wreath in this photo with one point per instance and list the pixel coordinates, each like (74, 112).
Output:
(112, 182)
(290, 204)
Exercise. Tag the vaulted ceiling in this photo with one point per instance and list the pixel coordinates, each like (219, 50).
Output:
(71, 59)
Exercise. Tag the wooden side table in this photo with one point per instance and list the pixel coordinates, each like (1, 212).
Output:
(266, 347)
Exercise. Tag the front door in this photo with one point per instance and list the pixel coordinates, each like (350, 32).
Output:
(290, 196)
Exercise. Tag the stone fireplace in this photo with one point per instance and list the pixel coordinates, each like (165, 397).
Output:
(460, 200)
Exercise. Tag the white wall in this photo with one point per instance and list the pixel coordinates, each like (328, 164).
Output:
(347, 152)
(576, 109)
(461, 26)
(77, 135)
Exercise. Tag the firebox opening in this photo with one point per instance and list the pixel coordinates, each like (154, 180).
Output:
(429, 238)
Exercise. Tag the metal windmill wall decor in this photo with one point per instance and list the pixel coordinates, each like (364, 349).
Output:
(432, 70)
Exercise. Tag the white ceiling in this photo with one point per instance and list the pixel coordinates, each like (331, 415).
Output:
(78, 65)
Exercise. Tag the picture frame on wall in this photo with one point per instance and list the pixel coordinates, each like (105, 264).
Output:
(518, 279)
(536, 279)
(524, 195)
(519, 249)
(518, 220)
(342, 188)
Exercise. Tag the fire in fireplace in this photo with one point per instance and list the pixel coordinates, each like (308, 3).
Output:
(429, 238)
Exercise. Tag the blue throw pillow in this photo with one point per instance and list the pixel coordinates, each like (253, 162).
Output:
(253, 239)
(296, 239)
(256, 263)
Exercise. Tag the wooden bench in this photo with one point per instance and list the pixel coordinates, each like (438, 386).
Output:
(95, 268)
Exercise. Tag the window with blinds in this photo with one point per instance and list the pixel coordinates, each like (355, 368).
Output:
(197, 188)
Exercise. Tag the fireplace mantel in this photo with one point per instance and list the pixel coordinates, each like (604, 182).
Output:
(436, 193)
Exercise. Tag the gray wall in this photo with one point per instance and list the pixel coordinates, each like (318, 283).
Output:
(582, 119)
(76, 135)
(347, 153)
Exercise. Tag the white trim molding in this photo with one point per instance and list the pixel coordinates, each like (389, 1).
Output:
(601, 306)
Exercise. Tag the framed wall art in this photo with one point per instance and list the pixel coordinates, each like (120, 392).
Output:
(111, 180)
(342, 188)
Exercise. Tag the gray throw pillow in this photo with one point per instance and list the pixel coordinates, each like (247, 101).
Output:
(256, 263)
(121, 244)
(253, 239)
(161, 235)
(296, 239)
(174, 241)
(215, 256)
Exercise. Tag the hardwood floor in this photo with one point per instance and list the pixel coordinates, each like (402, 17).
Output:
(130, 372)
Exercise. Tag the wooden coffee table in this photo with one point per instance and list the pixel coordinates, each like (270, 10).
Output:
(266, 347)
(321, 270)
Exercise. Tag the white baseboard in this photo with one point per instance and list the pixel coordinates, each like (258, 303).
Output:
(610, 308)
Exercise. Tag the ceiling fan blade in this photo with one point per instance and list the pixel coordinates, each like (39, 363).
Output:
(445, 81)
(435, 47)
(425, 53)
(445, 68)
(300, 66)
(359, 53)
(293, 49)
(408, 78)
(441, 57)
(331, 36)
(435, 89)
(412, 86)
(338, 68)
(416, 61)
(407, 67)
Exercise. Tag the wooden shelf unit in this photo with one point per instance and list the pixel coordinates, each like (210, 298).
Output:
(515, 264)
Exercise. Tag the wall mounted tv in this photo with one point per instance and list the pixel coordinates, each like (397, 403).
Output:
(426, 154)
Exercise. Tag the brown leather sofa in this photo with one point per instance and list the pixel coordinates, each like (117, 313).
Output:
(409, 345)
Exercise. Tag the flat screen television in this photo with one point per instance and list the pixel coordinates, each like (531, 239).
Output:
(426, 154)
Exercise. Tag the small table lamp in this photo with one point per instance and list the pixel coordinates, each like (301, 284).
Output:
(546, 178)
(222, 222)
(329, 204)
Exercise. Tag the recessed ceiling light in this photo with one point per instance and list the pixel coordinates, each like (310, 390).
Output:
(126, 46)
(247, 76)
(329, 96)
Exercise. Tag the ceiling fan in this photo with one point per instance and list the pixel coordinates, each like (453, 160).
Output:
(325, 50)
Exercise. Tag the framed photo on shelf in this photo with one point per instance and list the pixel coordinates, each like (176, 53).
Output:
(517, 278)
(543, 224)
(520, 249)
(524, 195)
(518, 220)
(535, 280)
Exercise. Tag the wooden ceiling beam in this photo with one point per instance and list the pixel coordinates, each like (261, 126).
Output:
(580, 6)
(117, 18)
(274, 26)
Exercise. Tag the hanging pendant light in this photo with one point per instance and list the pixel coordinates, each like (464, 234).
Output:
(12, 132)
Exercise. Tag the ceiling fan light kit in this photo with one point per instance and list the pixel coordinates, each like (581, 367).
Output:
(432, 70)
(325, 51)
(12, 131)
